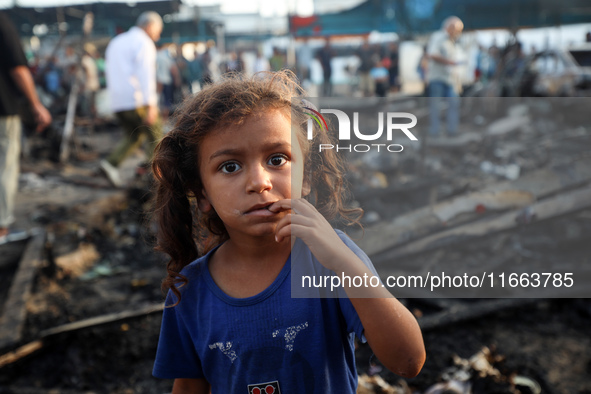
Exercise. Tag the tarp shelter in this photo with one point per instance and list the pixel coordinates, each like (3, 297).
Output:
(109, 19)
(410, 17)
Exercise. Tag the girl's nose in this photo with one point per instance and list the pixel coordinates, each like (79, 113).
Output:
(259, 180)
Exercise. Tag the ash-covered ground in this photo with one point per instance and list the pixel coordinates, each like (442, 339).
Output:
(98, 260)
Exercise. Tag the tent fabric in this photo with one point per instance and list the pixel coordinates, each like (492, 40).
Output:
(410, 17)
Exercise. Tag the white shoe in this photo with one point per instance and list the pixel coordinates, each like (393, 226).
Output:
(14, 236)
(112, 173)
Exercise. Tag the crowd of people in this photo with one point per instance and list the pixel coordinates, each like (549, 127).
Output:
(179, 73)
(56, 73)
(378, 71)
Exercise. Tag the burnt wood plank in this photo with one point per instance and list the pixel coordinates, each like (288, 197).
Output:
(14, 315)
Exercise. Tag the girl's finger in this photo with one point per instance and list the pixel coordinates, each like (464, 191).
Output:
(297, 206)
(291, 218)
(281, 205)
(289, 230)
(282, 233)
(285, 221)
(302, 207)
(295, 224)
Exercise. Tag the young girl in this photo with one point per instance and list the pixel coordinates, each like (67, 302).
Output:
(234, 181)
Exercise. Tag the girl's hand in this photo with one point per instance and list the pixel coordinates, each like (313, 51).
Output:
(306, 223)
(380, 313)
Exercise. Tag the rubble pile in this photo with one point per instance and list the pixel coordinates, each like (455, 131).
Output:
(508, 191)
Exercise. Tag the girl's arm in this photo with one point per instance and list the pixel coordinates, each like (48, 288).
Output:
(391, 330)
(191, 386)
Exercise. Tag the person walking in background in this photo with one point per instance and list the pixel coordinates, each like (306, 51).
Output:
(277, 61)
(261, 63)
(304, 57)
(206, 74)
(68, 64)
(493, 61)
(15, 80)
(393, 70)
(325, 55)
(367, 60)
(379, 75)
(422, 68)
(195, 69)
(167, 80)
(182, 64)
(443, 54)
(52, 79)
(235, 64)
(90, 80)
(131, 82)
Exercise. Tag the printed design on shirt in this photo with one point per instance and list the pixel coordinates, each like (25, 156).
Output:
(226, 349)
(264, 388)
(290, 334)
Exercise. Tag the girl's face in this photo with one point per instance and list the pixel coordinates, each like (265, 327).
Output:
(246, 168)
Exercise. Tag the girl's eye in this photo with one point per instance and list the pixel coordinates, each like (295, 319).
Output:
(277, 160)
(228, 168)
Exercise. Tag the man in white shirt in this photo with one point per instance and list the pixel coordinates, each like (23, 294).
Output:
(441, 76)
(131, 82)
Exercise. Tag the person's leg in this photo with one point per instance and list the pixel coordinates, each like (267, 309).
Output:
(371, 85)
(154, 134)
(167, 100)
(133, 126)
(381, 88)
(10, 135)
(329, 85)
(364, 83)
(326, 89)
(436, 91)
(453, 110)
(393, 79)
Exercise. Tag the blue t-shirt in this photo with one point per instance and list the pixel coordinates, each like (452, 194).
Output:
(268, 343)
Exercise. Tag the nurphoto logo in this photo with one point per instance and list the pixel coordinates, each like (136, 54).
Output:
(392, 124)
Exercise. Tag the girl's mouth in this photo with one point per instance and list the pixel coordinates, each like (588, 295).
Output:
(260, 210)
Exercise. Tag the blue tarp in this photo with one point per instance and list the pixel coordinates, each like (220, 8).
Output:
(410, 17)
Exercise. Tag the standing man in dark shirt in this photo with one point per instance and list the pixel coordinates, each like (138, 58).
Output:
(15, 80)
(325, 55)
(393, 69)
(367, 60)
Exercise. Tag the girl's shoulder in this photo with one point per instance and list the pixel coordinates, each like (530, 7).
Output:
(349, 242)
(302, 249)
(193, 275)
(196, 267)
(344, 237)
